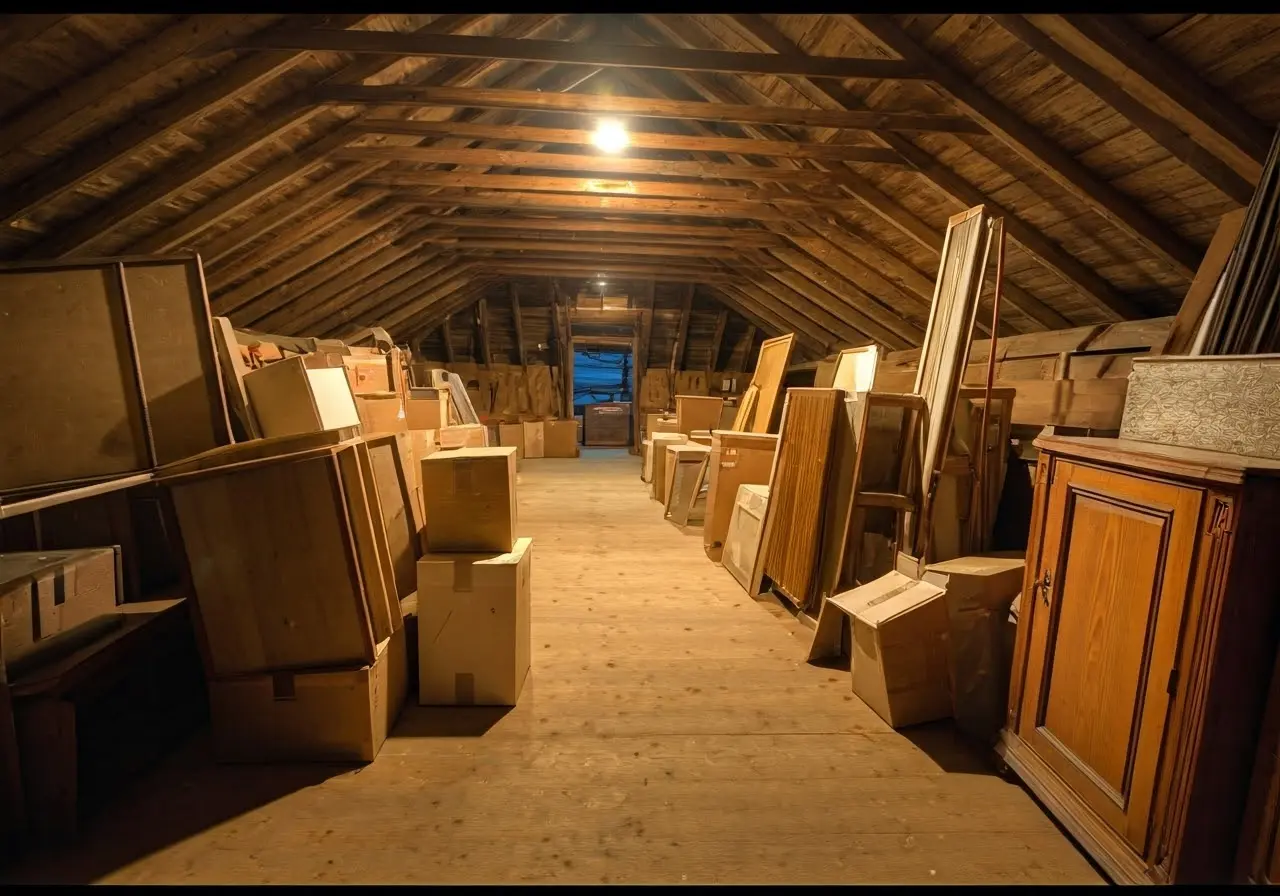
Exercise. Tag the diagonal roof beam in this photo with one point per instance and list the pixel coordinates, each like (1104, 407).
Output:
(1046, 156)
(1090, 284)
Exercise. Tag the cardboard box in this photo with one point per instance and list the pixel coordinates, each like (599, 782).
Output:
(608, 424)
(325, 715)
(980, 591)
(368, 373)
(290, 398)
(474, 627)
(427, 408)
(561, 438)
(658, 462)
(470, 500)
(44, 593)
(698, 412)
(381, 412)
(464, 435)
(511, 435)
(899, 643)
(534, 439)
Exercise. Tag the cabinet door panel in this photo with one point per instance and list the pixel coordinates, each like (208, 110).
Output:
(1117, 553)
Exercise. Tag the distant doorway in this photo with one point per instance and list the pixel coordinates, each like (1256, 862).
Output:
(600, 376)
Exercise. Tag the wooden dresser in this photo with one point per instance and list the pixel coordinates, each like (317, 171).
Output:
(1147, 634)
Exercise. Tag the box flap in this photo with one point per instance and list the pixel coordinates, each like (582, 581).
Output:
(888, 597)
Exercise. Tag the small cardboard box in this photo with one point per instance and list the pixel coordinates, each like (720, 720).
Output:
(561, 438)
(44, 593)
(289, 397)
(469, 498)
(464, 435)
(474, 627)
(534, 439)
(368, 373)
(427, 408)
(326, 715)
(380, 412)
(511, 435)
(899, 648)
(980, 591)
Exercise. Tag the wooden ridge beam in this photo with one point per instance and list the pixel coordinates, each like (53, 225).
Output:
(593, 53)
(591, 104)
(1167, 84)
(1047, 157)
(92, 230)
(547, 161)
(1090, 284)
(1139, 114)
(638, 140)
(149, 125)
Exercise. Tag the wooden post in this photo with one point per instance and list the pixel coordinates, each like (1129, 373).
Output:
(677, 351)
(640, 356)
(446, 335)
(716, 339)
(482, 325)
(518, 325)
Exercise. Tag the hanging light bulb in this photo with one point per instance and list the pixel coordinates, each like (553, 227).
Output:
(611, 137)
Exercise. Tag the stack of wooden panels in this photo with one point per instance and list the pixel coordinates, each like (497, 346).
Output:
(793, 529)
(299, 550)
(109, 365)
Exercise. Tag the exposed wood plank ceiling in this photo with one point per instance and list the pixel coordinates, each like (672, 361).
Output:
(336, 171)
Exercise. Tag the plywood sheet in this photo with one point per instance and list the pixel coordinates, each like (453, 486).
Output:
(771, 369)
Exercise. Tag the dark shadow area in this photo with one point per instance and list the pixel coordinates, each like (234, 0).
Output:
(186, 794)
(448, 721)
(952, 750)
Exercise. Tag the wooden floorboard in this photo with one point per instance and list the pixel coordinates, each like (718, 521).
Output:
(670, 733)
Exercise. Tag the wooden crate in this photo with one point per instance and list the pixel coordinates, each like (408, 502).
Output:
(608, 424)
(110, 365)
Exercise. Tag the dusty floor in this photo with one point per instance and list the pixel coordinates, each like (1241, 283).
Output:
(670, 733)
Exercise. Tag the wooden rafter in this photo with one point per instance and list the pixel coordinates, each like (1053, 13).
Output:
(1046, 156)
(591, 104)
(517, 323)
(717, 338)
(446, 336)
(1142, 116)
(1167, 84)
(482, 327)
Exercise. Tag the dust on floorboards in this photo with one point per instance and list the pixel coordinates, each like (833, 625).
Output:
(670, 732)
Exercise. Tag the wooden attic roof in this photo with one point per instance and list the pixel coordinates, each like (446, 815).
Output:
(337, 171)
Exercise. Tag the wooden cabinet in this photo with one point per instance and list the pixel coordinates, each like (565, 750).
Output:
(1147, 629)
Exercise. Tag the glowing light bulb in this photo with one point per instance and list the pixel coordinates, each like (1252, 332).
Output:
(610, 137)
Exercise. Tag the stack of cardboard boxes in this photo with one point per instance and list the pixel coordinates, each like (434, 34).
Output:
(474, 587)
(541, 438)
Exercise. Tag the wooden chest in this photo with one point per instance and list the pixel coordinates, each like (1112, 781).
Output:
(1148, 609)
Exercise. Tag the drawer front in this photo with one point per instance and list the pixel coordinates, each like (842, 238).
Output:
(1108, 603)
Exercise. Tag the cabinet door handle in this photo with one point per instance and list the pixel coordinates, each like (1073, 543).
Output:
(1043, 585)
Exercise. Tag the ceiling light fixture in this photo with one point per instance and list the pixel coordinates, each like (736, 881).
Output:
(610, 137)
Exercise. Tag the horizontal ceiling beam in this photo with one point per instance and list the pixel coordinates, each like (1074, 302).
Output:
(587, 248)
(633, 205)
(569, 267)
(390, 43)
(737, 236)
(592, 104)
(638, 140)
(571, 162)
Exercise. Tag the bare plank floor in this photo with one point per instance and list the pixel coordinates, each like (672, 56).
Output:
(670, 733)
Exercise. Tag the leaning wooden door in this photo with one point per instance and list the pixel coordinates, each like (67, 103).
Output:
(1113, 580)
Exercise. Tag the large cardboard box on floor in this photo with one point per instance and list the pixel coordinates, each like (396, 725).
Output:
(44, 593)
(322, 715)
(899, 636)
(560, 438)
(534, 439)
(511, 435)
(290, 397)
(380, 412)
(469, 498)
(980, 591)
(474, 627)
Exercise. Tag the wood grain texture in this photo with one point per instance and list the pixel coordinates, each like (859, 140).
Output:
(660, 739)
